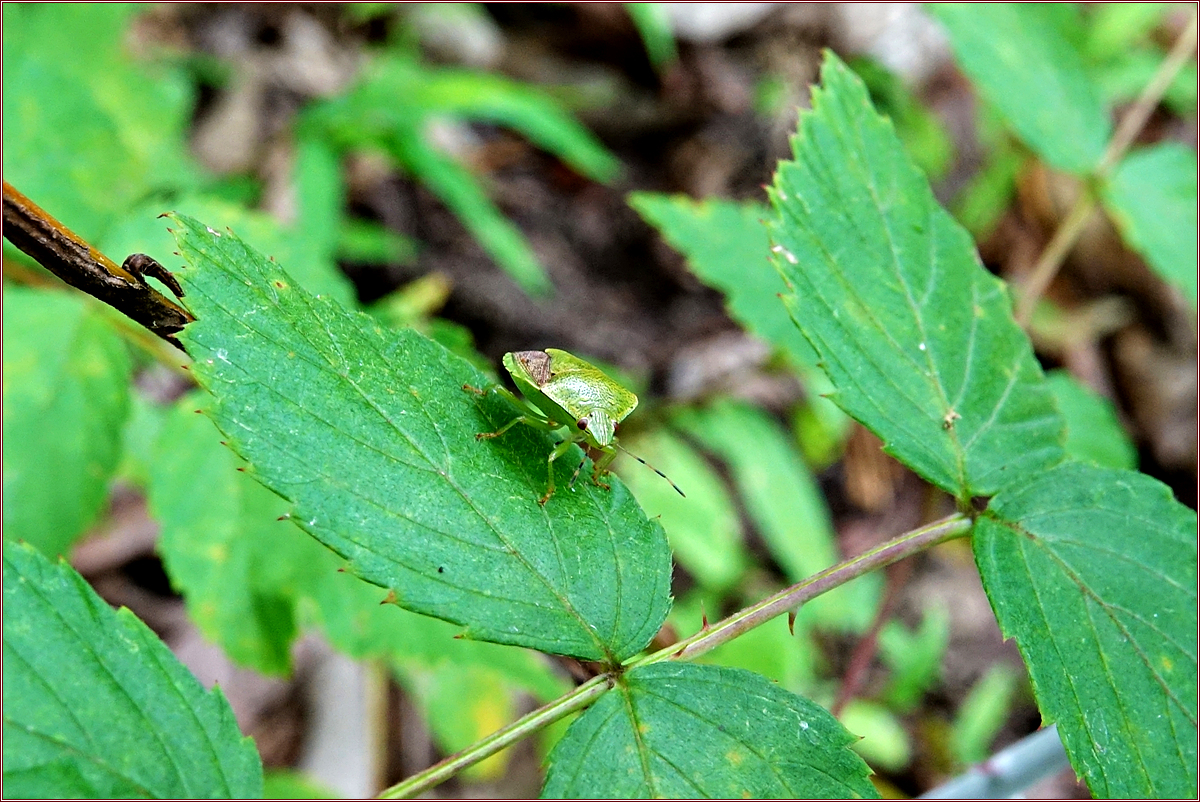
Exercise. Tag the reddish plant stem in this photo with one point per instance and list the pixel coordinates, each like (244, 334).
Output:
(864, 651)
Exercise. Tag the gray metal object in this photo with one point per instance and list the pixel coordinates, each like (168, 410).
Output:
(1010, 771)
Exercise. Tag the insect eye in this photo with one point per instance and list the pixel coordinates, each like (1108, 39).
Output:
(582, 424)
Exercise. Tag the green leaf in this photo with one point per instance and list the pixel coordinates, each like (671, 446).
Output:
(371, 436)
(1123, 79)
(703, 529)
(96, 706)
(373, 243)
(1093, 431)
(917, 337)
(1116, 28)
(1152, 196)
(1093, 572)
(89, 132)
(688, 731)
(142, 425)
(348, 611)
(1024, 59)
(785, 503)
(66, 396)
(252, 582)
(654, 26)
(320, 197)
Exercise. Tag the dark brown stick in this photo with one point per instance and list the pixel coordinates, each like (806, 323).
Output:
(66, 255)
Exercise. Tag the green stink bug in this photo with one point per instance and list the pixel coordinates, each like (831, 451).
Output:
(564, 392)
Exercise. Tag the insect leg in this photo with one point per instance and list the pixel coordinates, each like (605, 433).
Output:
(600, 466)
(559, 450)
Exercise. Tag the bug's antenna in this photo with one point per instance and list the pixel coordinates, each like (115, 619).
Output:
(651, 467)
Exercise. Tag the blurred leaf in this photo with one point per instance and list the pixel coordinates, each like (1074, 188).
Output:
(1093, 572)
(390, 110)
(413, 303)
(821, 429)
(292, 784)
(1123, 79)
(921, 132)
(66, 398)
(236, 564)
(1093, 431)
(915, 658)
(727, 247)
(320, 201)
(688, 731)
(1113, 28)
(88, 132)
(884, 741)
(142, 231)
(704, 529)
(1152, 196)
(1024, 58)
(458, 189)
(487, 97)
(654, 26)
(1123, 56)
(371, 436)
(917, 337)
(982, 714)
(142, 428)
(95, 705)
(373, 243)
(252, 582)
(463, 703)
(990, 192)
(785, 503)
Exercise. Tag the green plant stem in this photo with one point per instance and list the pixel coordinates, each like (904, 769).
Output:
(1131, 124)
(905, 545)
(523, 727)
